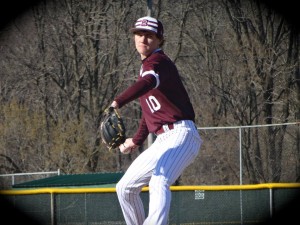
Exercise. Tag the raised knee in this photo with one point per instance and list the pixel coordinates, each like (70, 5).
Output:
(124, 189)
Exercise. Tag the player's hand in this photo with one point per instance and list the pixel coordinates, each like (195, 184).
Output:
(128, 146)
(114, 104)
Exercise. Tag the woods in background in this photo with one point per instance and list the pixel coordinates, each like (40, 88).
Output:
(62, 63)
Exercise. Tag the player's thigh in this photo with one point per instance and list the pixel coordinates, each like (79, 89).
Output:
(180, 151)
(140, 171)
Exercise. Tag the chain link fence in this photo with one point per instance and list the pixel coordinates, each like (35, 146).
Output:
(246, 155)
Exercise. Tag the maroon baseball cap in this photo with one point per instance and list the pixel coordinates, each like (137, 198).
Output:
(148, 23)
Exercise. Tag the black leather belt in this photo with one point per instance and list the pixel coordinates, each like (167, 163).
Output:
(162, 130)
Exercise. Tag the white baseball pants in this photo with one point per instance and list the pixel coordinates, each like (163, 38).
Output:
(159, 166)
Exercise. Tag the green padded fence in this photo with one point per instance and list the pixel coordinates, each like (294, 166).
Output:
(191, 205)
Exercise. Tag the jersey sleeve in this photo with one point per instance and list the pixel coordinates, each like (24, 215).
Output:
(136, 90)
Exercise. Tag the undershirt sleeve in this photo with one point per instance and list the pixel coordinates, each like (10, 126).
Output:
(141, 134)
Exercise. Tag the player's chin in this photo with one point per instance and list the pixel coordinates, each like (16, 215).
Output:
(143, 50)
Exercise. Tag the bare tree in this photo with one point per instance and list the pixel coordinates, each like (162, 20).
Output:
(64, 62)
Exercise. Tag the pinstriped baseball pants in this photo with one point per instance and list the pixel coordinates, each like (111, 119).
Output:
(159, 166)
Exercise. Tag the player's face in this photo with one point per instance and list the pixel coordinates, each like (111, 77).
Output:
(146, 42)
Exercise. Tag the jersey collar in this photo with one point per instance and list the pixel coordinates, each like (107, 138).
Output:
(156, 50)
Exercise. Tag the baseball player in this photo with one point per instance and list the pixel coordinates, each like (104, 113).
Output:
(168, 113)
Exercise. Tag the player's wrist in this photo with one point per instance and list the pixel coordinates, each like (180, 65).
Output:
(114, 104)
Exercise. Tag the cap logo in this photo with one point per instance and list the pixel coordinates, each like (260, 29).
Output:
(148, 24)
(144, 23)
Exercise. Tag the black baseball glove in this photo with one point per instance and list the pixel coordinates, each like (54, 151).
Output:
(112, 129)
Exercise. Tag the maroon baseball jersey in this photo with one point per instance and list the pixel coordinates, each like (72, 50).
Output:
(162, 96)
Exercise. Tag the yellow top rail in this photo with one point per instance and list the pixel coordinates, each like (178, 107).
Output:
(76, 190)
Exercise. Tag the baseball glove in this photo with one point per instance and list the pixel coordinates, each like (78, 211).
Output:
(112, 129)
